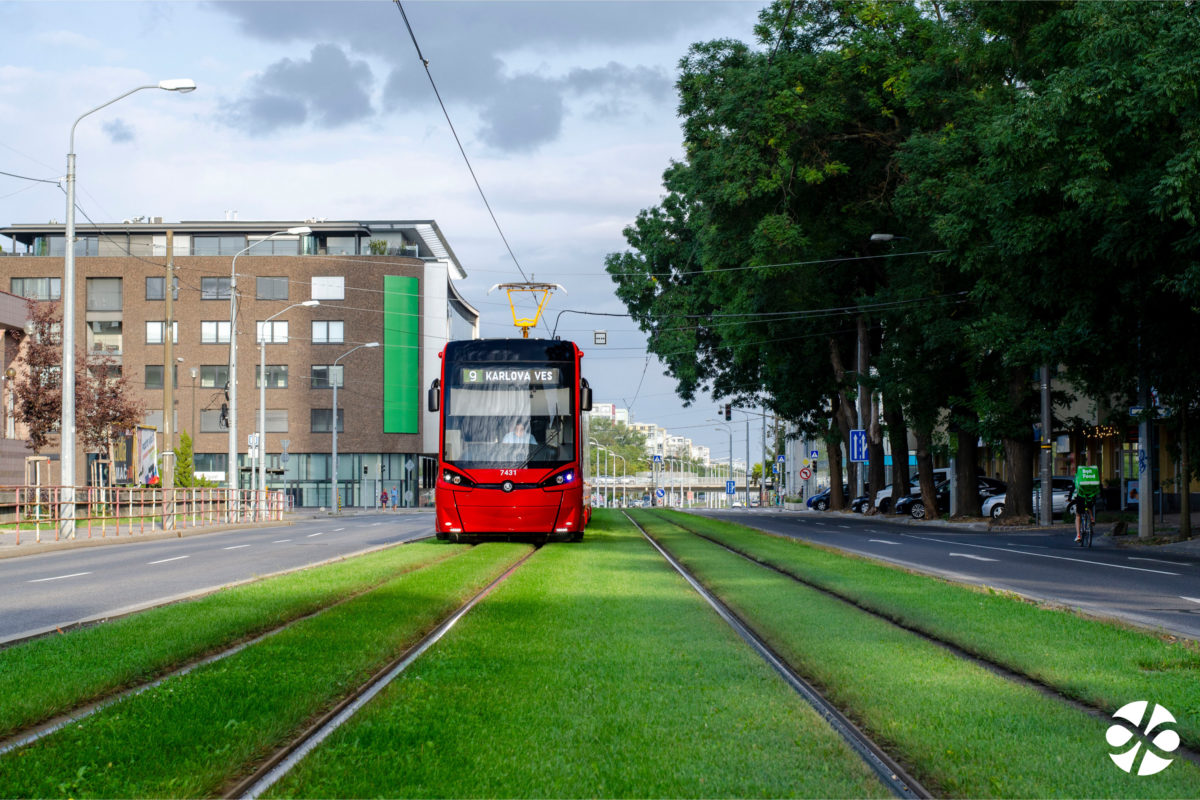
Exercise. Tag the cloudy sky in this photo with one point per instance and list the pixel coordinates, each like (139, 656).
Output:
(323, 109)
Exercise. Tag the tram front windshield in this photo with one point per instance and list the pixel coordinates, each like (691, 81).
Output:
(508, 417)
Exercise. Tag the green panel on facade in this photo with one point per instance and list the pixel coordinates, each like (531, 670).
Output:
(401, 355)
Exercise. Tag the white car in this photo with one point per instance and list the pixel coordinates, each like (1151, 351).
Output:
(993, 507)
(885, 498)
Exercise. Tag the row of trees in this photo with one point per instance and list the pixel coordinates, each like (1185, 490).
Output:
(930, 200)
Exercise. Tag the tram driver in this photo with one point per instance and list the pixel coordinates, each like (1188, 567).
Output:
(518, 435)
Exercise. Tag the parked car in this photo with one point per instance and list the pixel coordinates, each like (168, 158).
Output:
(914, 506)
(859, 504)
(1060, 494)
(820, 502)
(885, 498)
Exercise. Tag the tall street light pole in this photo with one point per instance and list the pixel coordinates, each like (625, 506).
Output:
(730, 430)
(262, 397)
(67, 422)
(333, 495)
(232, 474)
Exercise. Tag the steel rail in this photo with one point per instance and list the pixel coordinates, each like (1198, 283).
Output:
(286, 757)
(995, 667)
(890, 772)
(43, 729)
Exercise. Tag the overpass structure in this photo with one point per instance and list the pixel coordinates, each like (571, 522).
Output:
(667, 489)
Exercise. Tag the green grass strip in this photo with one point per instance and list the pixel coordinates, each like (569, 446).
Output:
(46, 677)
(195, 733)
(595, 671)
(1100, 663)
(964, 731)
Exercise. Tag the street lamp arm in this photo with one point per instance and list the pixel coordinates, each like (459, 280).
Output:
(173, 85)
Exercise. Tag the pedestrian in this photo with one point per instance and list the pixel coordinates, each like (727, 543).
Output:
(395, 498)
(383, 499)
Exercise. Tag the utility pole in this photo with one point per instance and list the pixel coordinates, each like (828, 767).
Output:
(1046, 511)
(168, 456)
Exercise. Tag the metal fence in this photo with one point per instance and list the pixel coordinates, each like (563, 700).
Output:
(34, 512)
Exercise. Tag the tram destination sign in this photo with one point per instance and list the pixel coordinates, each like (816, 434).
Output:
(510, 375)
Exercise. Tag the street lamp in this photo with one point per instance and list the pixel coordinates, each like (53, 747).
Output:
(730, 431)
(333, 498)
(624, 499)
(232, 474)
(262, 395)
(195, 372)
(67, 422)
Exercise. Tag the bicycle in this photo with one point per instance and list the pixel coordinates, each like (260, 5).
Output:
(1087, 523)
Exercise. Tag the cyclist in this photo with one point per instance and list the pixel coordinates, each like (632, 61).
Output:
(1084, 494)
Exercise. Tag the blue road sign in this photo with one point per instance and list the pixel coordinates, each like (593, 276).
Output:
(729, 487)
(657, 459)
(661, 493)
(813, 454)
(781, 459)
(858, 446)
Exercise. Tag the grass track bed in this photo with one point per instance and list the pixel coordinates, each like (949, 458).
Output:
(1101, 664)
(195, 733)
(964, 731)
(594, 671)
(98, 660)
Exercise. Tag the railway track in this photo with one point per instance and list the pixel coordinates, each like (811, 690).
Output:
(47, 727)
(956, 650)
(890, 772)
(287, 756)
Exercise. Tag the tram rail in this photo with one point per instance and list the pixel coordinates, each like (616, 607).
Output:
(892, 774)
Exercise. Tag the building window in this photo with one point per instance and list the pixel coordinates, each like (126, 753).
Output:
(103, 294)
(332, 287)
(214, 332)
(156, 288)
(214, 288)
(210, 462)
(271, 288)
(328, 331)
(341, 245)
(218, 245)
(156, 330)
(279, 246)
(154, 376)
(37, 288)
(214, 376)
(321, 417)
(276, 420)
(104, 337)
(324, 376)
(273, 332)
(277, 376)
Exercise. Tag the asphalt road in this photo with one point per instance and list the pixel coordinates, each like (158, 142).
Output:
(41, 592)
(1145, 586)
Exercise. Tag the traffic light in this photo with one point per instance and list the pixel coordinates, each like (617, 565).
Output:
(728, 411)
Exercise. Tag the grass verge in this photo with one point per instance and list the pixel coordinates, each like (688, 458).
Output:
(46, 677)
(195, 733)
(1102, 664)
(964, 731)
(595, 671)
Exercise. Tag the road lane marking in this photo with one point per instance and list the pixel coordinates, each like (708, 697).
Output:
(280, 541)
(1191, 599)
(236, 547)
(1158, 561)
(165, 560)
(318, 533)
(882, 541)
(1042, 555)
(338, 530)
(847, 527)
(59, 577)
(975, 558)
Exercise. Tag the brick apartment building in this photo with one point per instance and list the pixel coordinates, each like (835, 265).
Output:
(386, 281)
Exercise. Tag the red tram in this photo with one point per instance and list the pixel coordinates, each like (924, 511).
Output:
(512, 440)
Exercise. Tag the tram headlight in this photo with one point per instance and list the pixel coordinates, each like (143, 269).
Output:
(560, 479)
(453, 478)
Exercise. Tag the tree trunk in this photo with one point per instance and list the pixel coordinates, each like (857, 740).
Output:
(833, 452)
(893, 415)
(966, 474)
(844, 412)
(1018, 462)
(875, 453)
(924, 438)
(1185, 475)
